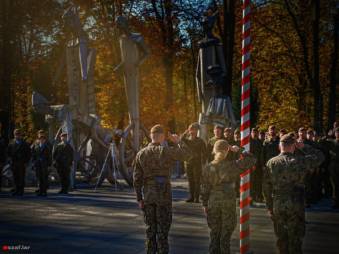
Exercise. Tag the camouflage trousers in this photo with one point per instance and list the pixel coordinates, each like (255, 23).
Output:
(158, 219)
(222, 220)
(289, 226)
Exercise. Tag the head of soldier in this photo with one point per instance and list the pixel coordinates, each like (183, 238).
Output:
(237, 135)
(336, 133)
(262, 135)
(254, 133)
(220, 151)
(41, 136)
(228, 133)
(282, 132)
(218, 131)
(310, 134)
(302, 133)
(17, 134)
(271, 131)
(193, 130)
(63, 137)
(157, 134)
(287, 143)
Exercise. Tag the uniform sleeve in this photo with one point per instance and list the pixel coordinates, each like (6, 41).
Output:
(180, 152)
(138, 178)
(268, 186)
(205, 186)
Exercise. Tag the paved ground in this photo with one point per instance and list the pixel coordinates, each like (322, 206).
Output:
(109, 221)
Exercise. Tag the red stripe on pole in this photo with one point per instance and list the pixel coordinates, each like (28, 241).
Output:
(245, 19)
(246, 2)
(246, 172)
(246, 80)
(245, 202)
(245, 141)
(245, 187)
(244, 218)
(245, 110)
(245, 64)
(244, 234)
(244, 248)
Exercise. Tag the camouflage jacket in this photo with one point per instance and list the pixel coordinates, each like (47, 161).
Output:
(219, 179)
(210, 145)
(284, 175)
(152, 170)
(198, 148)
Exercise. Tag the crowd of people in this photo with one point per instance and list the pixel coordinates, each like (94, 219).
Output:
(289, 172)
(41, 155)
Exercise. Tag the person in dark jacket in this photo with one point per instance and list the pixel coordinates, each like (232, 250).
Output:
(63, 159)
(2, 155)
(19, 153)
(41, 160)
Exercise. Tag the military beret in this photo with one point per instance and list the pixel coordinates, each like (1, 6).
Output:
(17, 132)
(157, 129)
(288, 139)
(237, 130)
(194, 126)
(228, 129)
(220, 145)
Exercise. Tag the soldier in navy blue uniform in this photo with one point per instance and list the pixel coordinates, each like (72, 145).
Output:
(19, 153)
(41, 160)
(63, 158)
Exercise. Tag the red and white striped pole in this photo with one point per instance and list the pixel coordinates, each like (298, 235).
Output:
(245, 128)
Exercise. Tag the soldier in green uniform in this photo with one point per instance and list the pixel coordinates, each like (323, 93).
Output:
(63, 158)
(284, 191)
(194, 165)
(218, 135)
(219, 197)
(41, 160)
(19, 153)
(151, 180)
(334, 167)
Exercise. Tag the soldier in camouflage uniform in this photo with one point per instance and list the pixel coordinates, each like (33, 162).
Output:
(194, 165)
(218, 135)
(334, 166)
(219, 197)
(284, 191)
(151, 179)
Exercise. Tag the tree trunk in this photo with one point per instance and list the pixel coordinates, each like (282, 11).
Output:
(317, 97)
(332, 107)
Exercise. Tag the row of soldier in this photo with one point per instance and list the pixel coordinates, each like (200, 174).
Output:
(41, 154)
(282, 166)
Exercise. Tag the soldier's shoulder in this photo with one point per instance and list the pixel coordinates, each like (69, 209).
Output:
(276, 160)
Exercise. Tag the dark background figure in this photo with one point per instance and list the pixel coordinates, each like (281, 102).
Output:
(63, 158)
(334, 167)
(195, 163)
(19, 153)
(3, 156)
(325, 144)
(41, 160)
(218, 129)
(256, 176)
(271, 144)
(316, 179)
(262, 135)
